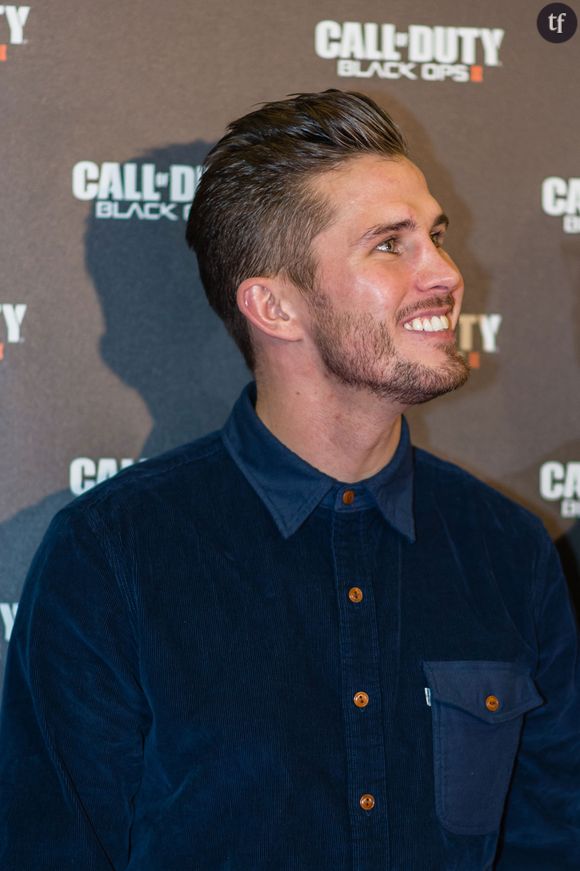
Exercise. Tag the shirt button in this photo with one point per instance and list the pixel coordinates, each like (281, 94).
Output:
(355, 594)
(367, 801)
(361, 700)
(348, 497)
(492, 703)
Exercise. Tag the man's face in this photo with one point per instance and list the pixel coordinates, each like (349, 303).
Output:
(387, 295)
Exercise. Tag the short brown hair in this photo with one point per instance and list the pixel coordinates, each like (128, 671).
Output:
(254, 212)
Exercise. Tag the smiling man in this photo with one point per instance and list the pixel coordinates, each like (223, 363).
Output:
(299, 643)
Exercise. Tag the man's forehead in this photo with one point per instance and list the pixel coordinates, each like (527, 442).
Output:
(371, 190)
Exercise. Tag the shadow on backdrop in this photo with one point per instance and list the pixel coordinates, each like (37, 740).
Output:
(161, 338)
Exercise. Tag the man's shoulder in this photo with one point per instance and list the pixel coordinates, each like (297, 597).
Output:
(464, 493)
(187, 470)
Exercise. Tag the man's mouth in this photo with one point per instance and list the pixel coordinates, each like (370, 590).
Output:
(433, 324)
(437, 314)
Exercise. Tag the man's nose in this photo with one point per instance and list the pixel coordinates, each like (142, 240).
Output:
(437, 271)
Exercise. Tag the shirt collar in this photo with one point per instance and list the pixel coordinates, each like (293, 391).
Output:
(291, 488)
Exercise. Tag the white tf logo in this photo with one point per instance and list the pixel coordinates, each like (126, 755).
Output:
(555, 22)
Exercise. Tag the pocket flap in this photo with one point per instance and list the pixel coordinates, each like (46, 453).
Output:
(492, 691)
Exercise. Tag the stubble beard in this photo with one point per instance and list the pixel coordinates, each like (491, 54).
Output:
(359, 352)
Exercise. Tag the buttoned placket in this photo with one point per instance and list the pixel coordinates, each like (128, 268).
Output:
(361, 693)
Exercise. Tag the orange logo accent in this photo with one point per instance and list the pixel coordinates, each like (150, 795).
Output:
(2, 52)
(1, 350)
(476, 74)
(473, 360)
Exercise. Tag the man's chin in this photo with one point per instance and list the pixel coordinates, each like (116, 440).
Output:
(446, 379)
(411, 383)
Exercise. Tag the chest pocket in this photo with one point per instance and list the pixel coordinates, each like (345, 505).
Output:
(478, 710)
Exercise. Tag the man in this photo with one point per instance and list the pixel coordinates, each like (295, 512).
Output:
(298, 643)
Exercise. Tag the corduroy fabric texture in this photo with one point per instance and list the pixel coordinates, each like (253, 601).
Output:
(181, 677)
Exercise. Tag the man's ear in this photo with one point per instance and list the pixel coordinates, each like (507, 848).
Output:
(268, 305)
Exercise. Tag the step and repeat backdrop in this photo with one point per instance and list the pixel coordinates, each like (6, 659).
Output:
(108, 350)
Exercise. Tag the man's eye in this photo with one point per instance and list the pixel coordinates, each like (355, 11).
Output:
(438, 239)
(389, 245)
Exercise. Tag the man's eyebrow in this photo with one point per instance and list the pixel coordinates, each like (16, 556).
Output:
(441, 219)
(398, 226)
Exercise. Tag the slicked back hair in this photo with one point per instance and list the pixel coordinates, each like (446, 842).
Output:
(255, 212)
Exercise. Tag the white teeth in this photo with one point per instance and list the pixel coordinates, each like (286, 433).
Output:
(428, 325)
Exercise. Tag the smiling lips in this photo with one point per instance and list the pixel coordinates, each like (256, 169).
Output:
(435, 324)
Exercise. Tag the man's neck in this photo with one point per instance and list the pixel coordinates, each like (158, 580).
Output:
(346, 433)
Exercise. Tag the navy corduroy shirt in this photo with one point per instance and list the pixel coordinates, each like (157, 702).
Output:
(225, 659)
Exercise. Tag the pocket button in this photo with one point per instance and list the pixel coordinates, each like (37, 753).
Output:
(492, 703)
